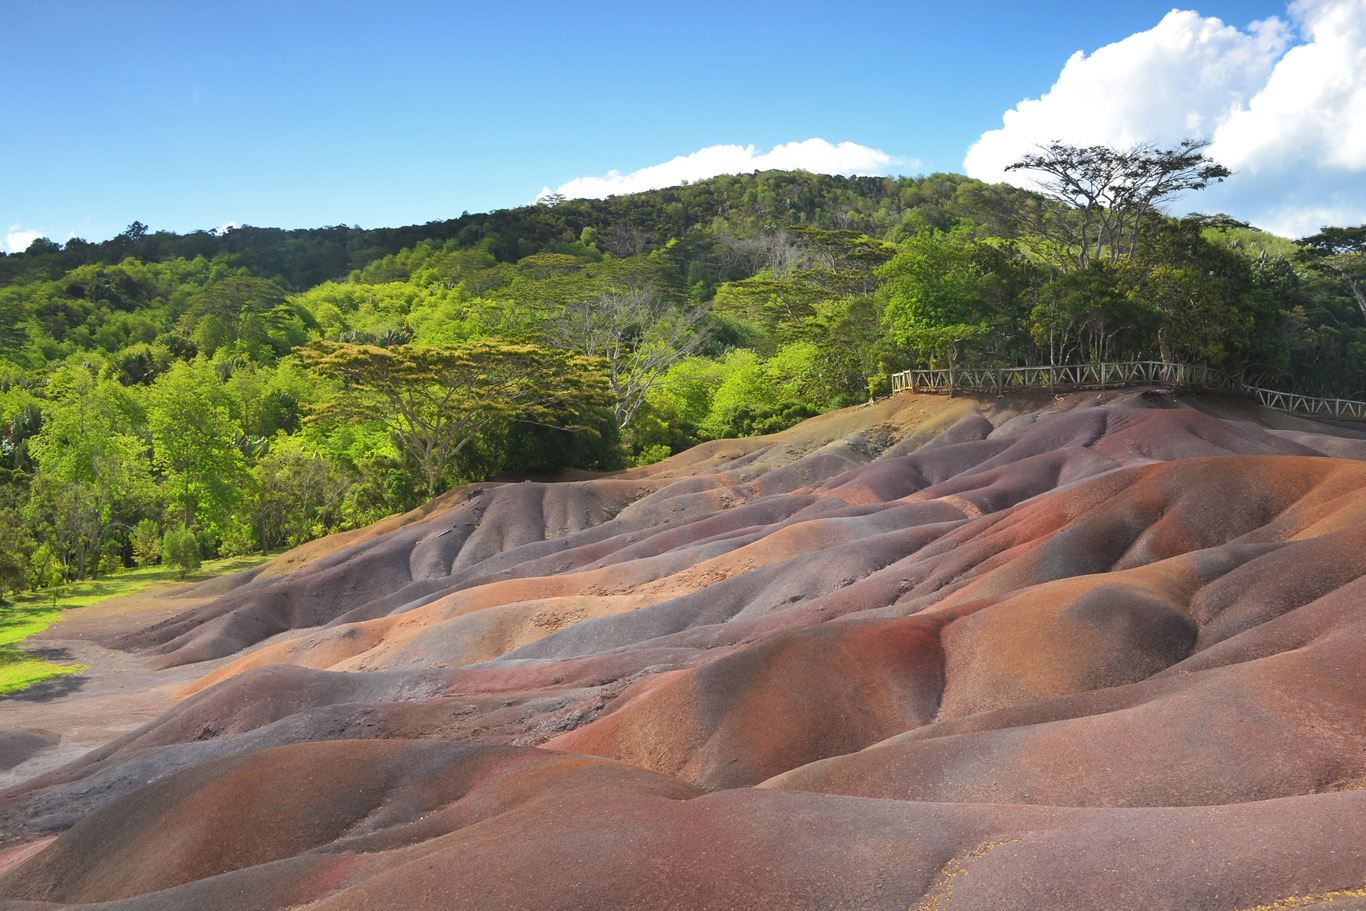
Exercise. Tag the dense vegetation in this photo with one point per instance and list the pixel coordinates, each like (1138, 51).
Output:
(261, 387)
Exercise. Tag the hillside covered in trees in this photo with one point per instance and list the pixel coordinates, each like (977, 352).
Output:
(263, 387)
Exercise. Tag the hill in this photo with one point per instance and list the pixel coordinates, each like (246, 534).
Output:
(241, 386)
(1086, 651)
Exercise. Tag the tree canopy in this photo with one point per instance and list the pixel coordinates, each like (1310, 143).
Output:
(158, 381)
(1342, 252)
(1109, 195)
(436, 400)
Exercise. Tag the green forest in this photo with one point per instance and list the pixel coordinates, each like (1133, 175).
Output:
(168, 397)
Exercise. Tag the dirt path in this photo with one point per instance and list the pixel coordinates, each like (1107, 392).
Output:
(73, 714)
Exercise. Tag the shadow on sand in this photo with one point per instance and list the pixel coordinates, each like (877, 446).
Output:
(47, 690)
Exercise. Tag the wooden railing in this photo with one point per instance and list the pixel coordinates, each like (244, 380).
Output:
(1340, 409)
(1125, 373)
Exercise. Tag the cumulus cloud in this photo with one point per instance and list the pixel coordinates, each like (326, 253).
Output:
(17, 241)
(1284, 102)
(815, 155)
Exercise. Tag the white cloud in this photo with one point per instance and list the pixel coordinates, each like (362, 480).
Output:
(17, 241)
(1312, 110)
(815, 155)
(1290, 122)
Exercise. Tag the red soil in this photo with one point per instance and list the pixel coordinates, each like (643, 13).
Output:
(1084, 652)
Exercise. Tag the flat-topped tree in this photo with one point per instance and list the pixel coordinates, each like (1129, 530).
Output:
(436, 400)
(1107, 195)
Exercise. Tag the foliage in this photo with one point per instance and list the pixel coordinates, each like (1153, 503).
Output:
(300, 495)
(149, 382)
(934, 301)
(192, 445)
(651, 454)
(741, 394)
(1341, 252)
(94, 479)
(242, 313)
(146, 542)
(628, 313)
(180, 550)
(1084, 315)
(436, 401)
(383, 486)
(1206, 297)
(16, 546)
(1109, 195)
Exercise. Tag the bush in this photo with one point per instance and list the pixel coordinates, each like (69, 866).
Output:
(180, 549)
(756, 420)
(385, 487)
(146, 542)
(651, 454)
(238, 539)
(44, 569)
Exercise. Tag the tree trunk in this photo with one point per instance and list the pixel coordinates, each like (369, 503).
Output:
(1359, 293)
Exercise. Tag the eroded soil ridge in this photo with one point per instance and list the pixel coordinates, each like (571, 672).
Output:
(1094, 651)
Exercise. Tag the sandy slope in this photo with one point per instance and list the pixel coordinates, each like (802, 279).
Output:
(1096, 651)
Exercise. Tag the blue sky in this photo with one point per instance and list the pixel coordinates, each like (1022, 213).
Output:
(298, 114)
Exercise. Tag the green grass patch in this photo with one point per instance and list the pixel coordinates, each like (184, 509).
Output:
(31, 613)
(19, 669)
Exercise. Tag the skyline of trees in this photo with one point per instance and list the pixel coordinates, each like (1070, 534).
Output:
(143, 395)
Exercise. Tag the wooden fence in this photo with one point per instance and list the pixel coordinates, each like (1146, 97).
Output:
(1001, 380)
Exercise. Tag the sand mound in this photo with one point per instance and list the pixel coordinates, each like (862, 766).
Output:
(1088, 651)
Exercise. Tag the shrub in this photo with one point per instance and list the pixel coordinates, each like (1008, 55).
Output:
(651, 454)
(180, 549)
(146, 542)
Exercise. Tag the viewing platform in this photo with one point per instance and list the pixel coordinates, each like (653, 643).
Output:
(1071, 377)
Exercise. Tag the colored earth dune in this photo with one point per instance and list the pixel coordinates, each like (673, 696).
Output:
(1092, 651)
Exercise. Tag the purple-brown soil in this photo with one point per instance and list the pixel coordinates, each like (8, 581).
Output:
(1098, 651)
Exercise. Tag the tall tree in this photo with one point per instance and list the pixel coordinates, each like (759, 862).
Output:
(639, 329)
(237, 308)
(626, 311)
(192, 440)
(1084, 313)
(846, 334)
(773, 307)
(92, 474)
(1210, 311)
(1341, 252)
(934, 305)
(436, 401)
(1108, 194)
(16, 541)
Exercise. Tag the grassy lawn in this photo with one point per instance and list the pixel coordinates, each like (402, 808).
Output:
(33, 612)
